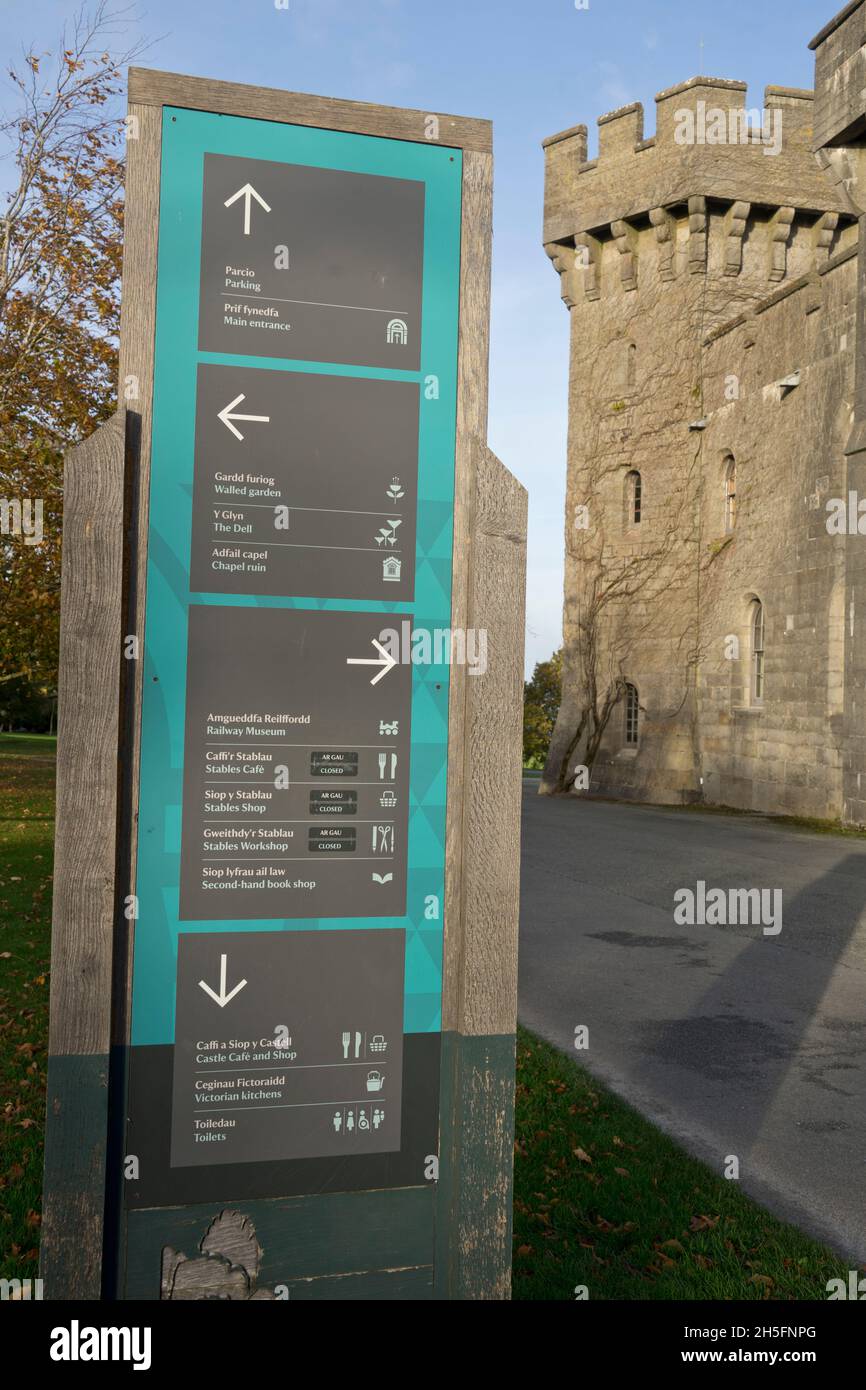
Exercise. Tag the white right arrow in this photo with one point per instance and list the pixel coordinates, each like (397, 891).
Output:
(247, 193)
(222, 998)
(226, 415)
(386, 661)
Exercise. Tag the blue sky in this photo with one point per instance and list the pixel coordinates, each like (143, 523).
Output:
(532, 68)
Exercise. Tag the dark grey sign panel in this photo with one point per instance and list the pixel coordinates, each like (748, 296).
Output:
(288, 1044)
(319, 265)
(305, 484)
(286, 707)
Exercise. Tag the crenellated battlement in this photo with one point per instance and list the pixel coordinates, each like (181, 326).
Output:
(708, 145)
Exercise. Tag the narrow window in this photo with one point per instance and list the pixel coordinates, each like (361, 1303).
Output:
(631, 365)
(730, 481)
(633, 492)
(757, 652)
(632, 711)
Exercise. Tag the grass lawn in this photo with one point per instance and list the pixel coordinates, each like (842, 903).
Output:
(603, 1199)
(26, 848)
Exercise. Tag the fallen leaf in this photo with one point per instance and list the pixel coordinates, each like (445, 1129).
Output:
(582, 1155)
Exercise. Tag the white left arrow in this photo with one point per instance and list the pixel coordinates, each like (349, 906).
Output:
(222, 998)
(247, 193)
(227, 417)
(386, 661)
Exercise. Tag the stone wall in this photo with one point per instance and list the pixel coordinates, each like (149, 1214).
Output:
(789, 367)
(840, 146)
(698, 276)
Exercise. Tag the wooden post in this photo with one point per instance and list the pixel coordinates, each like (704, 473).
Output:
(84, 904)
(443, 1232)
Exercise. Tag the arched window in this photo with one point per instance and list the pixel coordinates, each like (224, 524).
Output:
(631, 365)
(632, 715)
(757, 653)
(730, 486)
(633, 491)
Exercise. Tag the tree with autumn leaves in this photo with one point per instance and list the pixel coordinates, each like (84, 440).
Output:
(61, 237)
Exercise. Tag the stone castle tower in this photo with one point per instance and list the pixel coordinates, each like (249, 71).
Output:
(710, 274)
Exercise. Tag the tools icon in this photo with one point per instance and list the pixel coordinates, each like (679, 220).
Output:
(383, 839)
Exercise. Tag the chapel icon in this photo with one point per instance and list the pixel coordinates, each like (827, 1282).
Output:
(396, 332)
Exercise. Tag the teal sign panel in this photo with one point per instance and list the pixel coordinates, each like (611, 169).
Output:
(287, 960)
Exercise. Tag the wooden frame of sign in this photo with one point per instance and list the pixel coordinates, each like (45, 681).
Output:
(103, 597)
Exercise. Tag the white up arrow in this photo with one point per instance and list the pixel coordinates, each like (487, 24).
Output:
(226, 416)
(222, 998)
(247, 193)
(386, 661)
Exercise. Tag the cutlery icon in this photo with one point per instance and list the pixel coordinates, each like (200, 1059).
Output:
(347, 1038)
(357, 1044)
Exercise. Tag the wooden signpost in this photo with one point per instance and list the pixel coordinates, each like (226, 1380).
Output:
(283, 982)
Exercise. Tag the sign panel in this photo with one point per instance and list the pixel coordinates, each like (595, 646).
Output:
(315, 492)
(287, 961)
(248, 1087)
(280, 818)
(324, 264)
